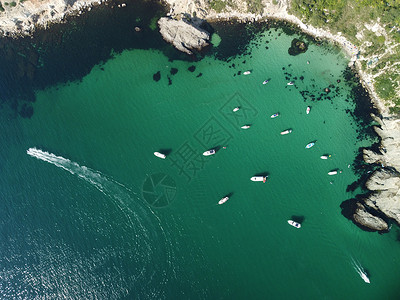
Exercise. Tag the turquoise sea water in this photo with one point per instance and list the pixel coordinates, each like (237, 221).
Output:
(90, 212)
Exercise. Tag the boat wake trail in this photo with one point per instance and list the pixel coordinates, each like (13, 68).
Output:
(147, 241)
(360, 270)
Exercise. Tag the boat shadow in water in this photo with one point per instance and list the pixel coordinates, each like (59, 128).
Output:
(263, 174)
(298, 219)
(165, 151)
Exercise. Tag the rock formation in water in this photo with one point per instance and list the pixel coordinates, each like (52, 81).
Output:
(297, 47)
(184, 36)
(385, 181)
(364, 218)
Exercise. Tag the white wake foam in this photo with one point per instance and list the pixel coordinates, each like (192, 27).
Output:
(146, 233)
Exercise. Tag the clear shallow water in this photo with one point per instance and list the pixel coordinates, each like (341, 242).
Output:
(77, 220)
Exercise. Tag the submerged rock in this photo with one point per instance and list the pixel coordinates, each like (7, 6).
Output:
(183, 35)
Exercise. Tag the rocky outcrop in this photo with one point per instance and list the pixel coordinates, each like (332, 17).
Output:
(26, 16)
(364, 218)
(384, 182)
(183, 35)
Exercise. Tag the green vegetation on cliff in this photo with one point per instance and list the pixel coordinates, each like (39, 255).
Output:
(373, 26)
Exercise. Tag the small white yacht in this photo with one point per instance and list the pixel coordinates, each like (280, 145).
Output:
(245, 127)
(326, 156)
(236, 109)
(223, 200)
(160, 155)
(309, 145)
(275, 115)
(334, 172)
(287, 131)
(265, 81)
(246, 72)
(308, 110)
(290, 83)
(294, 224)
(259, 178)
(209, 152)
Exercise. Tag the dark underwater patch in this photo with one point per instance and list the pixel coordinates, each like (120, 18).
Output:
(173, 71)
(157, 76)
(192, 68)
(67, 52)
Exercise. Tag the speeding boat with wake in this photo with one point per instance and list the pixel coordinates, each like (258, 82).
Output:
(360, 270)
(209, 152)
(245, 127)
(275, 115)
(259, 178)
(160, 155)
(308, 110)
(309, 145)
(223, 200)
(326, 156)
(294, 224)
(364, 277)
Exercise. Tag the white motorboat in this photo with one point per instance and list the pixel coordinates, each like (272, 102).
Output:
(223, 200)
(294, 224)
(275, 115)
(245, 127)
(259, 178)
(236, 109)
(334, 172)
(364, 277)
(287, 131)
(308, 110)
(325, 156)
(246, 72)
(309, 145)
(209, 152)
(160, 155)
(290, 83)
(265, 81)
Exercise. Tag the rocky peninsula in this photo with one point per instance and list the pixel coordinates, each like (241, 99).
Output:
(182, 28)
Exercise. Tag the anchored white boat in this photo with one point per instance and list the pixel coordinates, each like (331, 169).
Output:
(275, 115)
(287, 131)
(236, 109)
(325, 156)
(246, 72)
(223, 200)
(294, 224)
(290, 83)
(308, 110)
(160, 155)
(265, 81)
(334, 172)
(245, 127)
(209, 152)
(259, 178)
(309, 145)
